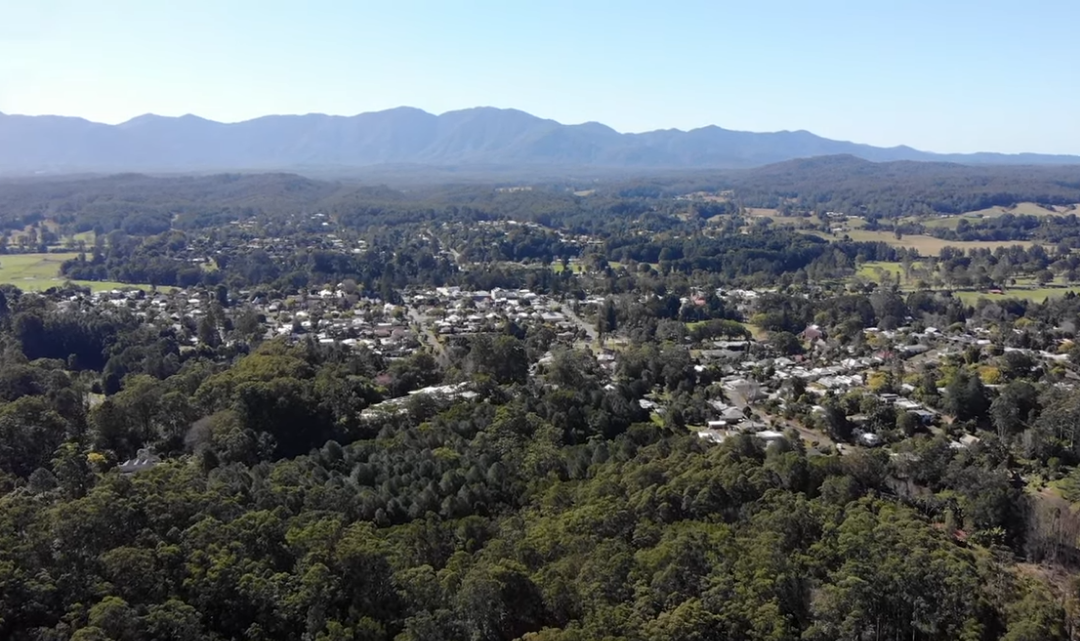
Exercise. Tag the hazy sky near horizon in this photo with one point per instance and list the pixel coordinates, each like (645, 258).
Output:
(940, 75)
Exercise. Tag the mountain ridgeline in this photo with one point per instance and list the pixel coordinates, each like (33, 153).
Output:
(471, 138)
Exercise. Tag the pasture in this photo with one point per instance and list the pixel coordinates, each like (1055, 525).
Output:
(926, 245)
(778, 219)
(38, 272)
(876, 270)
(1020, 209)
(1037, 295)
(32, 271)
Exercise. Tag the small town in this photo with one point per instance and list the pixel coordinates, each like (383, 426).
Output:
(755, 389)
(522, 321)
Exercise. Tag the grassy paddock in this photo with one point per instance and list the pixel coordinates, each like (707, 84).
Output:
(926, 245)
(1020, 209)
(876, 269)
(1037, 295)
(16, 268)
(38, 272)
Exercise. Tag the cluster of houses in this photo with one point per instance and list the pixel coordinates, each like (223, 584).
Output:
(397, 405)
(840, 374)
(337, 313)
(328, 314)
(729, 420)
(454, 310)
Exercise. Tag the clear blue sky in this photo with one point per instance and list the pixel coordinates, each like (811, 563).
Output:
(942, 75)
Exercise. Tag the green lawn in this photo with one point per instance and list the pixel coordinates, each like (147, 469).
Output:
(926, 245)
(874, 270)
(106, 285)
(578, 268)
(1037, 294)
(15, 268)
(37, 272)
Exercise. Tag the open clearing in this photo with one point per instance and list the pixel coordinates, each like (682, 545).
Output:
(37, 272)
(1037, 295)
(19, 268)
(774, 215)
(1020, 209)
(15, 236)
(1024, 288)
(877, 269)
(926, 245)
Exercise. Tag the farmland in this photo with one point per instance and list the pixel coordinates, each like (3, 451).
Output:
(1037, 294)
(1024, 289)
(37, 272)
(32, 271)
(1021, 209)
(877, 270)
(796, 221)
(926, 245)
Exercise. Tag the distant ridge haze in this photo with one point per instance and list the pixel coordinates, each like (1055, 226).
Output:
(482, 136)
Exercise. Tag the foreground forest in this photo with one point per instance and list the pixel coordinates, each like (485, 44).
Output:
(526, 512)
(329, 412)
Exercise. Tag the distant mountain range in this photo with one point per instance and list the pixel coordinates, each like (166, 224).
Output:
(471, 138)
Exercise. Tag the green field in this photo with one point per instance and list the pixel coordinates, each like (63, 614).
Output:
(38, 272)
(875, 270)
(578, 268)
(1023, 288)
(1037, 294)
(926, 245)
(757, 212)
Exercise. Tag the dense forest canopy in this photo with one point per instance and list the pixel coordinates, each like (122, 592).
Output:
(837, 183)
(888, 190)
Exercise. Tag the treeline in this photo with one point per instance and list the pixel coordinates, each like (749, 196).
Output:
(396, 256)
(764, 254)
(489, 519)
(1057, 230)
(889, 189)
(143, 205)
(146, 205)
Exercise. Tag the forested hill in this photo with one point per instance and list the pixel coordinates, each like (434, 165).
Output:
(139, 203)
(470, 137)
(849, 184)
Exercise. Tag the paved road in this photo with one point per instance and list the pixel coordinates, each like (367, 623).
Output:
(805, 433)
(594, 336)
(427, 335)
